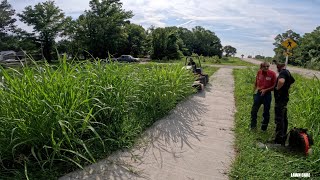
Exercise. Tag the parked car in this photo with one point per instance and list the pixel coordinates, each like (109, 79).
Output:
(126, 58)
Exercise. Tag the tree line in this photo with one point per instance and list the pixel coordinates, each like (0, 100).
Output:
(307, 52)
(103, 30)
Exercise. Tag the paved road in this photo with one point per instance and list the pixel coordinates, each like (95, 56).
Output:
(194, 142)
(305, 72)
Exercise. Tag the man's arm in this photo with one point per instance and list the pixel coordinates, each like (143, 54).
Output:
(268, 89)
(263, 91)
(280, 83)
(282, 79)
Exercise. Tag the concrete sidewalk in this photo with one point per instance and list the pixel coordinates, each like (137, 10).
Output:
(194, 142)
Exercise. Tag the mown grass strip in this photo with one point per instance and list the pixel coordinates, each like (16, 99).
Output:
(232, 61)
(255, 163)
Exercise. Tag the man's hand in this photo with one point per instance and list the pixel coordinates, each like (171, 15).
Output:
(263, 91)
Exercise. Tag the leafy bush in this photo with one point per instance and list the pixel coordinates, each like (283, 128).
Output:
(313, 65)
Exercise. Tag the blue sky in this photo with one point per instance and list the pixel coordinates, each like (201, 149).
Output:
(248, 25)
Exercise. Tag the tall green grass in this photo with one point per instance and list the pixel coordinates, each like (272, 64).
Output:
(54, 119)
(303, 111)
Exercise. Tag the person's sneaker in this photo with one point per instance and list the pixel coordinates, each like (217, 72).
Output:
(281, 143)
(260, 145)
(273, 145)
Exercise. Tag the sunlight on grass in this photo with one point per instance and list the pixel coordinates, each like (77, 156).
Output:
(303, 111)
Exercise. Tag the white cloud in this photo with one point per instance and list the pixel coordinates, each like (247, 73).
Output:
(183, 24)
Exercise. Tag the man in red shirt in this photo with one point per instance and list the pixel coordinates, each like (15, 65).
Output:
(264, 84)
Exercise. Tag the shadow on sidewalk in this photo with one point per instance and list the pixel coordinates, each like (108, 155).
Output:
(167, 136)
(176, 129)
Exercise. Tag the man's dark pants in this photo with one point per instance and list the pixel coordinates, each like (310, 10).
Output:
(266, 101)
(281, 120)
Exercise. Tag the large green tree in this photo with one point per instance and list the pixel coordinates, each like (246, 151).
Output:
(48, 21)
(165, 43)
(173, 50)
(6, 17)
(135, 44)
(11, 37)
(186, 41)
(173, 42)
(78, 37)
(101, 30)
(308, 50)
(229, 50)
(206, 42)
(159, 43)
(7, 41)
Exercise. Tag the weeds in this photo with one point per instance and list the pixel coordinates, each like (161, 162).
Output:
(255, 163)
(57, 118)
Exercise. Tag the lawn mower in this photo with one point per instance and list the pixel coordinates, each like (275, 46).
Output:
(202, 79)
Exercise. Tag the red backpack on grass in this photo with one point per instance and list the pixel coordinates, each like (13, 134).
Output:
(300, 140)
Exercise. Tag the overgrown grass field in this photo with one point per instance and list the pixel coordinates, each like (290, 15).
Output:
(233, 61)
(54, 119)
(275, 163)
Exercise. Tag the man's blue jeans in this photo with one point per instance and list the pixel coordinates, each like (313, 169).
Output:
(258, 100)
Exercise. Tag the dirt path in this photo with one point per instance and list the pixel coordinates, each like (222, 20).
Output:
(305, 72)
(194, 142)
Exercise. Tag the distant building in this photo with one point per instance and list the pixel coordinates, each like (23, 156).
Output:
(20, 55)
(5, 55)
(12, 55)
